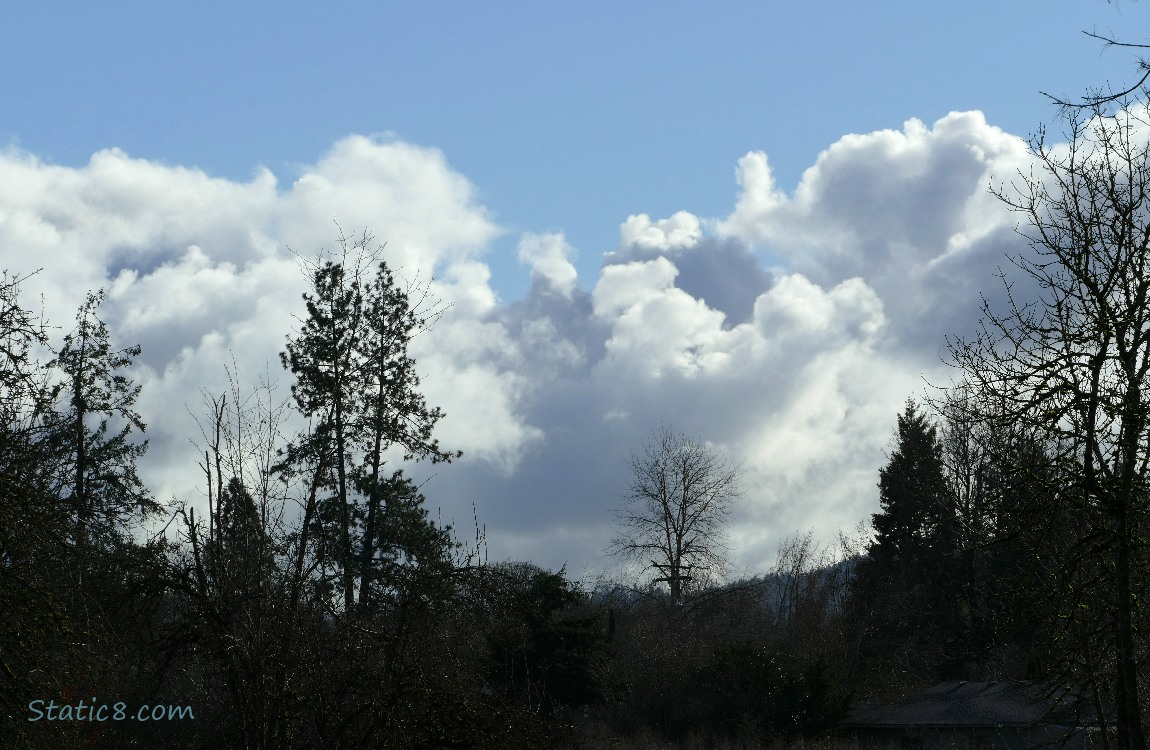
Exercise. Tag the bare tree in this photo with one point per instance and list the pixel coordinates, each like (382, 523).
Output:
(1073, 368)
(672, 517)
(1102, 97)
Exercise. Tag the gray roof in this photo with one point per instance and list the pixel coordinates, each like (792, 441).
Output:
(969, 704)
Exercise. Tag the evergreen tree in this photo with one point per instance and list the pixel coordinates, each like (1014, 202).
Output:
(100, 480)
(356, 382)
(321, 358)
(912, 526)
(393, 413)
(901, 588)
(407, 552)
(75, 617)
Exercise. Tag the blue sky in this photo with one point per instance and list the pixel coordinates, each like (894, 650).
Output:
(756, 223)
(565, 117)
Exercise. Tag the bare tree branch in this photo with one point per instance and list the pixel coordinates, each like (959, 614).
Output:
(681, 493)
(1109, 97)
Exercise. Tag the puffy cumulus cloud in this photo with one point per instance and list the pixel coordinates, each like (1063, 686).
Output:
(407, 195)
(880, 191)
(798, 372)
(87, 224)
(724, 273)
(622, 287)
(547, 255)
(797, 308)
(681, 230)
(655, 326)
(908, 211)
(198, 269)
(792, 390)
(802, 394)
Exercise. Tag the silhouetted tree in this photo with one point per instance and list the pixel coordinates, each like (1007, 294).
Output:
(356, 383)
(97, 426)
(911, 529)
(80, 594)
(34, 527)
(901, 588)
(672, 517)
(1070, 367)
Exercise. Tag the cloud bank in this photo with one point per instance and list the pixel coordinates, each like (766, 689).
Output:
(787, 333)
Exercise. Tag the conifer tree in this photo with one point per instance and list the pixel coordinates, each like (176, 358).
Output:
(356, 382)
(911, 528)
(900, 587)
(97, 424)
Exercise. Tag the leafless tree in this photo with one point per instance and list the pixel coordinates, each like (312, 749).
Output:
(672, 517)
(1102, 97)
(1073, 367)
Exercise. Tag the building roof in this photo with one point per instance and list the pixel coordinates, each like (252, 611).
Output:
(971, 704)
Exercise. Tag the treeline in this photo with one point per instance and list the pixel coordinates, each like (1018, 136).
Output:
(966, 573)
(306, 599)
(986, 562)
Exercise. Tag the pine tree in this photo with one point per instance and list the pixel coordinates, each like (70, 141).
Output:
(322, 359)
(394, 413)
(96, 427)
(405, 551)
(356, 382)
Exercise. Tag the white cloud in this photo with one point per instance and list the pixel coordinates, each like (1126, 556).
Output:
(198, 268)
(908, 211)
(797, 307)
(682, 230)
(623, 287)
(799, 374)
(547, 255)
(406, 195)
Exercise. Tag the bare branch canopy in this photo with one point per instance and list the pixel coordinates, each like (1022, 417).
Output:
(673, 513)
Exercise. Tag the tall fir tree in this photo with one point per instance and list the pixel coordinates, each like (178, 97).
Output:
(900, 588)
(97, 427)
(356, 382)
(912, 527)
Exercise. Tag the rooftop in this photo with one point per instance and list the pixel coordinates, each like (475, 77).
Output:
(971, 704)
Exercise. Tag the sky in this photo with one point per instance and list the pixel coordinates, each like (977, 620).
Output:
(756, 224)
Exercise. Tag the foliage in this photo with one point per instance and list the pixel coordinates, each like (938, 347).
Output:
(77, 607)
(542, 652)
(955, 582)
(356, 382)
(911, 528)
(901, 586)
(99, 477)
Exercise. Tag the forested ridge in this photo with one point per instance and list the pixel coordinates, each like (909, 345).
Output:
(307, 599)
